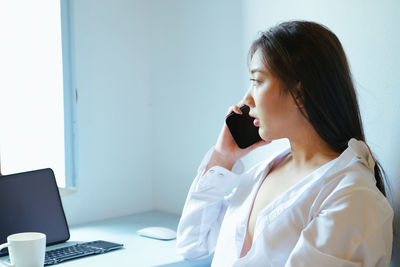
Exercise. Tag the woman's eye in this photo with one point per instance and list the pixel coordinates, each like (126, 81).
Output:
(254, 82)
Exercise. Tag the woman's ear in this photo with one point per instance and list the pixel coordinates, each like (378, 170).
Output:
(298, 95)
(298, 98)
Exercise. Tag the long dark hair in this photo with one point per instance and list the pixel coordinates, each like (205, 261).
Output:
(310, 55)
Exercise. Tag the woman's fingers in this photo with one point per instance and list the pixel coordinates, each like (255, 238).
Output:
(236, 108)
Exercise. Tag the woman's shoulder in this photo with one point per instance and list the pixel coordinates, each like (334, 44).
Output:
(353, 175)
(354, 183)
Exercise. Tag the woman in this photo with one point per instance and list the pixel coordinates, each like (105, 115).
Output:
(321, 201)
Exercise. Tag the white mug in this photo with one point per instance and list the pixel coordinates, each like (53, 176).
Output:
(25, 249)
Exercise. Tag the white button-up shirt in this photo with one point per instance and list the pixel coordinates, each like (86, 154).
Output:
(335, 216)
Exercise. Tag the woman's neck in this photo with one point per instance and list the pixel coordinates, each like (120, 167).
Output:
(308, 149)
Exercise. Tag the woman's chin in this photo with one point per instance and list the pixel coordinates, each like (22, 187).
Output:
(265, 135)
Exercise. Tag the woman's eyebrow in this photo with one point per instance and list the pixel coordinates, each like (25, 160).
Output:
(257, 70)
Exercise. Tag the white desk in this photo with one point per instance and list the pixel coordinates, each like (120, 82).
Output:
(138, 251)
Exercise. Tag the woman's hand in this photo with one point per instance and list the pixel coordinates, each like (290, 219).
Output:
(226, 151)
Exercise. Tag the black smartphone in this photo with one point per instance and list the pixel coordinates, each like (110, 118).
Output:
(242, 128)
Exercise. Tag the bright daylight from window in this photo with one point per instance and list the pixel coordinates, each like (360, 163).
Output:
(31, 87)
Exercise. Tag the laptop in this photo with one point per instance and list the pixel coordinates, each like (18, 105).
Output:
(30, 202)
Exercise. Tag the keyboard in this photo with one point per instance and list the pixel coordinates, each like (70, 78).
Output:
(79, 250)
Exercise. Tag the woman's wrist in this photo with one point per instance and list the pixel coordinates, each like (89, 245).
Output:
(220, 159)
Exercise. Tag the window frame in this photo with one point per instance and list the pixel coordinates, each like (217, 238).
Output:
(70, 96)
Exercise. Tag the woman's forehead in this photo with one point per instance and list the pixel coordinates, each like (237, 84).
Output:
(257, 63)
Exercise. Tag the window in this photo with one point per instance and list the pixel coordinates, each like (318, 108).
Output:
(32, 130)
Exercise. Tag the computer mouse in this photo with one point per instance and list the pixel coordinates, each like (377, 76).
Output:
(161, 233)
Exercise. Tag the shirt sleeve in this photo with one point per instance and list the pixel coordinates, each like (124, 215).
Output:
(351, 228)
(205, 208)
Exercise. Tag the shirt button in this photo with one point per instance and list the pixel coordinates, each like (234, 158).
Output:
(322, 213)
(220, 174)
(212, 171)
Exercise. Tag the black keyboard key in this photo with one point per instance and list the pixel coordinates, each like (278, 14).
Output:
(80, 250)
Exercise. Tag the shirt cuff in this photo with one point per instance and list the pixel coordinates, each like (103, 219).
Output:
(217, 180)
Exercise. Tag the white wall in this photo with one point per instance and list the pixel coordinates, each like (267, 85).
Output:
(110, 62)
(196, 61)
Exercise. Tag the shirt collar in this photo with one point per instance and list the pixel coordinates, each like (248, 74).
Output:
(362, 151)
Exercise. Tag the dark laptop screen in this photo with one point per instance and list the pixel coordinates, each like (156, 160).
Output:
(30, 202)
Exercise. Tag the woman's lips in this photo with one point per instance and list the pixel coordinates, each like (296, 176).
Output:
(256, 122)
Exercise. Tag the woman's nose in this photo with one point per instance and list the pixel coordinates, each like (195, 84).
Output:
(248, 99)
